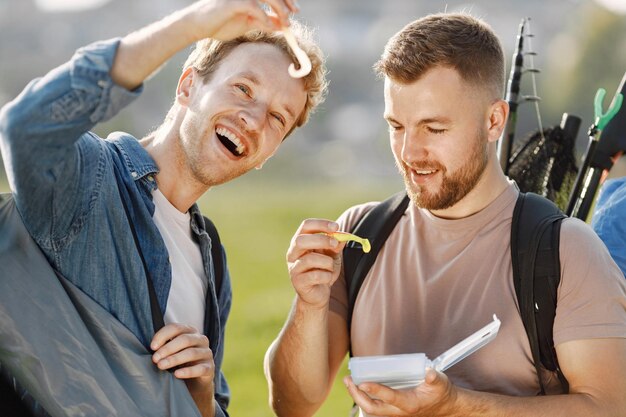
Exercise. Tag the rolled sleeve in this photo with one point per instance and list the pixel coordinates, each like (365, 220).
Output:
(40, 137)
(90, 72)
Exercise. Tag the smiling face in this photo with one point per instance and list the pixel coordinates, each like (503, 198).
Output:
(439, 131)
(236, 119)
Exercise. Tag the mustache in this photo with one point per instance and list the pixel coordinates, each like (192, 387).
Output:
(424, 165)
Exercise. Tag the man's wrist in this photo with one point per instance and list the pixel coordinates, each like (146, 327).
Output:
(305, 307)
(464, 403)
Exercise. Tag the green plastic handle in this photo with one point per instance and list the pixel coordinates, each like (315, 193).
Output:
(602, 119)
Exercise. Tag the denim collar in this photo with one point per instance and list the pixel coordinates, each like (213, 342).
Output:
(139, 162)
(143, 168)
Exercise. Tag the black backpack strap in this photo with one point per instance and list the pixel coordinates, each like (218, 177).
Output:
(376, 225)
(216, 253)
(535, 236)
(155, 309)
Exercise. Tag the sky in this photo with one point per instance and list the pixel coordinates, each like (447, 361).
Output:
(618, 6)
(68, 5)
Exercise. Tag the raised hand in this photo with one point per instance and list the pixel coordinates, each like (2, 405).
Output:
(314, 261)
(227, 19)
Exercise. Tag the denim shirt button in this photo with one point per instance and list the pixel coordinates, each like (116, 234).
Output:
(133, 174)
(102, 83)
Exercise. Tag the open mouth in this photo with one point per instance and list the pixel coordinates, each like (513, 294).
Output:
(230, 141)
(424, 171)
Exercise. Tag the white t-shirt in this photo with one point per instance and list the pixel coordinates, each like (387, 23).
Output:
(186, 299)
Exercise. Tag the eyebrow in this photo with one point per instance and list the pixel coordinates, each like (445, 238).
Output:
(428, 120)
(255, 80)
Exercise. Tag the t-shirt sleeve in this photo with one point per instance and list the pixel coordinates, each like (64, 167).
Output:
(339, 292)
(592, 293)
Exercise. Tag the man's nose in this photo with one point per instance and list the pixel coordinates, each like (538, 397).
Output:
(414, 146)
(253, 117)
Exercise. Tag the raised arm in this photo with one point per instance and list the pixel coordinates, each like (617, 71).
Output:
(53, 164)
(144, 51)
(301, 364)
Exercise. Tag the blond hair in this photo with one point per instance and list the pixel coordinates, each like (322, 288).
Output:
(208, 53)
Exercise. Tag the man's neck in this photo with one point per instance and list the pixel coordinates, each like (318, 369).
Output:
(174, 179)
(491, 184)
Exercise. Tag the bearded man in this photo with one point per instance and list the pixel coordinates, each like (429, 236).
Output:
(447, 267)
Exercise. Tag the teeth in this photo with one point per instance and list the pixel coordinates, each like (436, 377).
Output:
(232, 137)
(424, 172)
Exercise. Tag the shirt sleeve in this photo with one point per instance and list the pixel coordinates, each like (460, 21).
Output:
(592, 292)
(52, 161)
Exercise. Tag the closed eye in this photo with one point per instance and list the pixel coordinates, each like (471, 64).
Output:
(435, 131)
(279, 117)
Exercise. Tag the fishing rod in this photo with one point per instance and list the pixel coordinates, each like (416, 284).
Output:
(599, 156)
(512, 95)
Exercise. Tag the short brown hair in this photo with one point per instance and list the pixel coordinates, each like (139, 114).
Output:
(454, 40)
(208, 53)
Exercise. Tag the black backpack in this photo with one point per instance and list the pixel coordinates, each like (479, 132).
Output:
(535, 234)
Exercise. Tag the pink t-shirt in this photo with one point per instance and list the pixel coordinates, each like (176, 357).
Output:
(436, 281)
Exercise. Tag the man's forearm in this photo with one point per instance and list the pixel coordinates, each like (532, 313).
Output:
(297, 365)
(473, 403)
(144, 51)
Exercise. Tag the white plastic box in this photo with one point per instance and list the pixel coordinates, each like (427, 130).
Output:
(408, 370)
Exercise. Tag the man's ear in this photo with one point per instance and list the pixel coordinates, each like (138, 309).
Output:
(498, 114)
(185, 82)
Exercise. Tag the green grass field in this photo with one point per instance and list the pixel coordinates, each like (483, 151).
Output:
(256, 221)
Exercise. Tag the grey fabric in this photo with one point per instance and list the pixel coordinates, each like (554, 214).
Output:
(71, 355)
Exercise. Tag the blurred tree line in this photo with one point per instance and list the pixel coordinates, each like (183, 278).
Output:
(580, 47)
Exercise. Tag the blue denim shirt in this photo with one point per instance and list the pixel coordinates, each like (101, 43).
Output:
(609, 219)
(71, 187)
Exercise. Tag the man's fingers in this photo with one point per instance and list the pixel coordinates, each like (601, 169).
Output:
(196, 371)
(433, 377)
(174, 338)
(311, 236)
(317, 226)
(367, 401)
(169, 332)
(282, 10)
(379, 391)
(186, 356)
(304, 243)
(312, 278)
(261, 19)
(312, 261)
